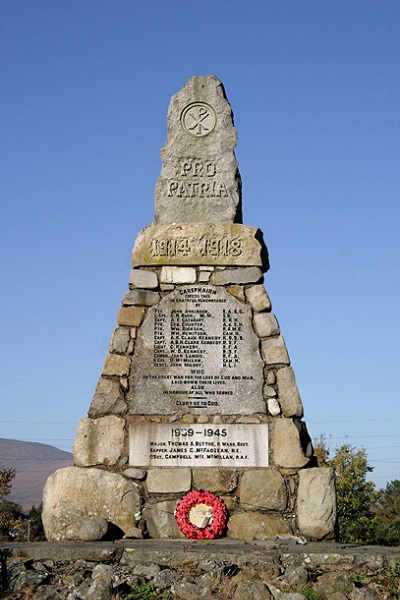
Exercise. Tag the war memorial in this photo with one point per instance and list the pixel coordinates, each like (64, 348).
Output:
(197, 407)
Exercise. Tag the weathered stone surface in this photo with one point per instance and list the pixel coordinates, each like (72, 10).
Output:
(277, 594)
(119, 340)
(133, 473)
(240, 275)
(203, 276)
(285, 444)
(100, 588)
(288, 394)
(197, 352)
(160, 520)
(91, 529)
(265, 324)
(274, 351)
(263, 489)
(166, 481)
(237, 291)
(248, 589)
(295, 577)
(257, 526)
(165, 579)
(204, 244)
(199, 179)
(269, 392)
(99, 441)
(116, 364)
(140, 297)
(131, 316)
(215, 480)
(107, 399)
(73, 495)
(258, 298)
(273, 407)
(142, 278)
(338, 581)
(178, 275)
(188, 590)
(316, 503)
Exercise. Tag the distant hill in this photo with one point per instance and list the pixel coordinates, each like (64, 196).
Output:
(33, 463)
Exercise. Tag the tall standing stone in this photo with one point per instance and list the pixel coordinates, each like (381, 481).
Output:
(197, 388)
(200, 179)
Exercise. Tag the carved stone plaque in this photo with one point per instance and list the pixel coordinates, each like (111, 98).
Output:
(197, 353)
(170, 445)
(228, 244)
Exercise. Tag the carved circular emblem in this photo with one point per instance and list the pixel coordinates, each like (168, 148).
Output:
(198, 119)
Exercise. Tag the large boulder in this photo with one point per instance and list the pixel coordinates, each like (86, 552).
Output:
(74, 499)
(316, 503)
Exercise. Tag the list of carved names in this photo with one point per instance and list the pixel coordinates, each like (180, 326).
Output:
(197, 352)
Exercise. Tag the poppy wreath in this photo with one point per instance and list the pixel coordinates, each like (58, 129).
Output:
(216, 523)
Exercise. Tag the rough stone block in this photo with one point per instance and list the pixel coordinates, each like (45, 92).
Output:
(131, 316)
(215, 480)
(116, 364)
(99, 441)
(316, 503)
(119, 341)
(273, 407)
(73, 496)
(263, 489)
(257, 526)
(178, 275)
(168, 481)
(241, 275)
(160, 520)
(269, 392)
(140, 298)
(285, 444)
(274, 351)
(107, 399)
(265, 325)
(249, 589)
(288, 394)
(133, 473)
(237, 291)
(204, 277)
(258, 298)
(142, 278)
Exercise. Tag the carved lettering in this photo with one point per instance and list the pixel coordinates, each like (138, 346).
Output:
(197, 167)
(219, 246)
(196, 351)
(208, 445)
(196, 189)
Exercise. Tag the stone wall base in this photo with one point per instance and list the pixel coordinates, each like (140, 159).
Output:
(185, 569)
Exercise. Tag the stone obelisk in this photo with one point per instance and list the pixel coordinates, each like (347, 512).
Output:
(197, 390)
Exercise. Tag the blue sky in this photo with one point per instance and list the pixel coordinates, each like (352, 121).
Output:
(314, 86)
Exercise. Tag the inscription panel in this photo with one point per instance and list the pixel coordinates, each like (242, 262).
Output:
(201, 244)
(197, 353)
(169, 445)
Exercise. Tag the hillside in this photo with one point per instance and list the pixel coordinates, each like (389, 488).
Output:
(33, 463)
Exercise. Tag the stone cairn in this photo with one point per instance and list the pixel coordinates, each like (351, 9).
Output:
(197, 391)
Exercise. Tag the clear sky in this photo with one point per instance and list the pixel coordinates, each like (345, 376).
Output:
(314, 86)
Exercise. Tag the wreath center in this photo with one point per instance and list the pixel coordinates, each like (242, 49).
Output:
(201, 515)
